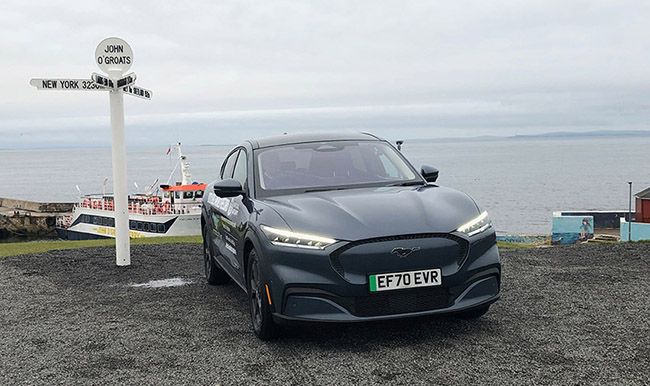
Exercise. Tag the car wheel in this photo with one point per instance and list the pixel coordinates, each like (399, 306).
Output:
(262, 320)
(473, 313)
(213, 273)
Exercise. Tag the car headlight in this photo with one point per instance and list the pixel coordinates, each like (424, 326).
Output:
(288, 238)
(476, 225)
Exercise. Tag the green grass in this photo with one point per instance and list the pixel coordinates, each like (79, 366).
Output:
(507, 245)
(29, 247)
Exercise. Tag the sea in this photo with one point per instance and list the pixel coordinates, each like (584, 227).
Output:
(519, 181)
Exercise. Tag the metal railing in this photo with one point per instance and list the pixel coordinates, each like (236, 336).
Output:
(143, 208)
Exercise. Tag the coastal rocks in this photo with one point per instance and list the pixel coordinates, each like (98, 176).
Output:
(26, 224)
(29, 218)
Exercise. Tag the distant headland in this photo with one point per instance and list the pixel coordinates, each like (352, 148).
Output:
(548, 135)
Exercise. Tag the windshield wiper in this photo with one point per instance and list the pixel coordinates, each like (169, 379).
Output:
(408, 183)
(324, 189)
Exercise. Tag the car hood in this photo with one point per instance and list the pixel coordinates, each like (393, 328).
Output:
(357, 214)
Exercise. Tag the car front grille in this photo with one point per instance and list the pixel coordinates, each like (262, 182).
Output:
(431, 240)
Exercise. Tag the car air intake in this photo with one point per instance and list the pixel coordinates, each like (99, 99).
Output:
(397, 302)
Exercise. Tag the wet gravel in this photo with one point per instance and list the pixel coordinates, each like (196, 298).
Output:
(574, 315)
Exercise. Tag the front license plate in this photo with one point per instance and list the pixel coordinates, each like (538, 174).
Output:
(399, 280)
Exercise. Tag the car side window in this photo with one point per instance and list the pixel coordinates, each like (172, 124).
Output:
(226, 171)
(241, 168)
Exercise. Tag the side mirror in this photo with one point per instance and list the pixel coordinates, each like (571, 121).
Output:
(228, 188)
(429, 173)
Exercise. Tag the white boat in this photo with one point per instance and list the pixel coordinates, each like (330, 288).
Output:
(173, 210)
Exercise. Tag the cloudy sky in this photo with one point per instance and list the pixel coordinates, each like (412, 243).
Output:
(224, 70)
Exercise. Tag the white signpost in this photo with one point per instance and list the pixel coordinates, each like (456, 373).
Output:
(114, 57)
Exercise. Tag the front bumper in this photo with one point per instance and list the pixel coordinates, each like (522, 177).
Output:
(331, 285)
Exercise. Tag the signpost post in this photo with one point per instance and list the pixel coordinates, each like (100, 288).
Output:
(114, 57)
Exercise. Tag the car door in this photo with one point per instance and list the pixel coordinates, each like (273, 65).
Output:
(219, 207)
(240, 213)
(234, 216)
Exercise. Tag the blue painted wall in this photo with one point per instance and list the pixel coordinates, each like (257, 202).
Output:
(571, 229)
(640, 231)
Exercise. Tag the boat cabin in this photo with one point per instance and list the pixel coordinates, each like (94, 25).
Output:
(183, 194)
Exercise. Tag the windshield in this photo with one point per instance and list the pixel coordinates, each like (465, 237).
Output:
(330, 165)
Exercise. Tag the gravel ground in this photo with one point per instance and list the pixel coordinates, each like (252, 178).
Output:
(568, 315)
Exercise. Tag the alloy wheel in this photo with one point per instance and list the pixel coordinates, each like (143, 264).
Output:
(206, 260)
(255, 296)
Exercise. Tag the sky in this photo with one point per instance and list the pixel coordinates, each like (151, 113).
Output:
(223, 71)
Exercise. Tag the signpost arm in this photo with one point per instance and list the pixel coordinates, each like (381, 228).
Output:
(122, 246)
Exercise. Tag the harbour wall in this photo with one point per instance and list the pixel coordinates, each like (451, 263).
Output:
(24, 218)
(33, 206)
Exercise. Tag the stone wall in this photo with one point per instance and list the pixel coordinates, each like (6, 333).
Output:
(32, 206)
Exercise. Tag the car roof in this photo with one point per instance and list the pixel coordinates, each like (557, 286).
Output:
(288, 139)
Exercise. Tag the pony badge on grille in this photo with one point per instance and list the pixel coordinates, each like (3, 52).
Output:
(403, 252)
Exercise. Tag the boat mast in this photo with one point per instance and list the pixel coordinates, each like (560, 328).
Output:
(186, 176)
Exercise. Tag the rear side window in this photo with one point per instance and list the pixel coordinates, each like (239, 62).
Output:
(229, 166)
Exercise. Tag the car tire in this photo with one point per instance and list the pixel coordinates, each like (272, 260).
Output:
(474, 313)
(213, 272)
(261, 318)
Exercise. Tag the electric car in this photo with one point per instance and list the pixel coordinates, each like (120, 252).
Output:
(342, 228)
